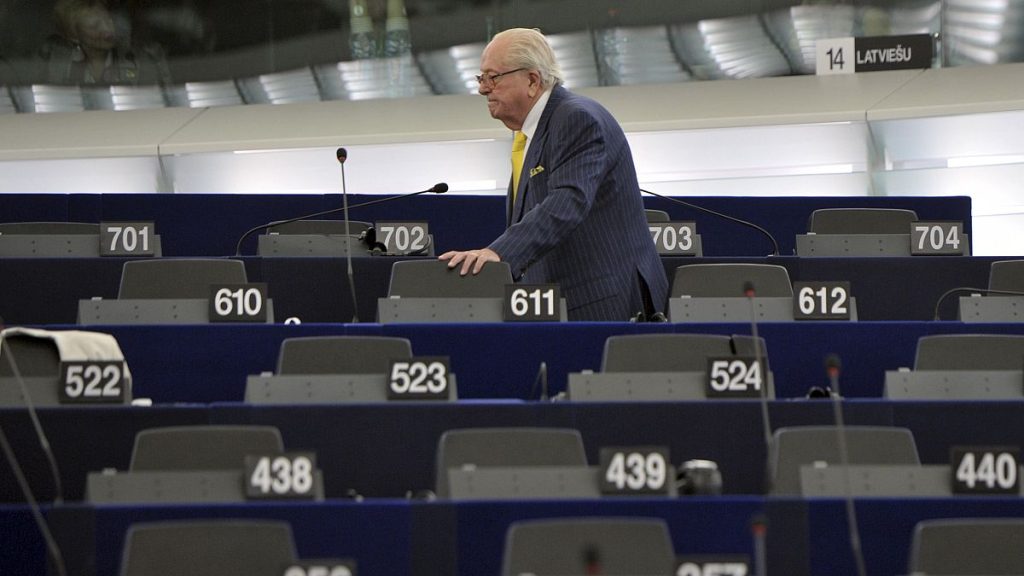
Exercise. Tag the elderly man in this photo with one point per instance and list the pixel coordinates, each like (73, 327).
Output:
(575, 217)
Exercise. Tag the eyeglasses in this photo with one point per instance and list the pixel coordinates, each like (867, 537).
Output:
(490, 80)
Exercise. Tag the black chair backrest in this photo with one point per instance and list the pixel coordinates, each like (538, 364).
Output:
(34, 357)
(992, 546)
(970, 352)
(1006, 275)
(657, 216)
(671, 352)
(803, 445)
(861, 221)
(355, 227)
(177, 278)
(433, 279)
(202, 447)
(341, 354)
(730, 280)
(499, 447)
(208, 548)
(612, 546)
(49, 228)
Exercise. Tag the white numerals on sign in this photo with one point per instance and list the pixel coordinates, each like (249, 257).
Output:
(821, 301)
(531, 303)
(736, 375)
(637, 470)
(986, 470)
(712, 569)
(418, 377)
(673, 237)
(127, 239)
(238, 302)
(539, 302)
(245, 301)
(404, 237)
(835, 56)
(936, 238)
(318, 571)
(92, 382)
(284, 475)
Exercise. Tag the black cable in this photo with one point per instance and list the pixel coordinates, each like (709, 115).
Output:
(775, 244)
(969, 289)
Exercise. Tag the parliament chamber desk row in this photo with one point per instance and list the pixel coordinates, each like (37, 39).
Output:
(35, 291)
(210, 225)
(398, 537)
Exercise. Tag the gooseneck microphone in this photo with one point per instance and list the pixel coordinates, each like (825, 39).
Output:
(947, 293)
(832, 367)
(775, 244)
(439, 188)
(342, 155)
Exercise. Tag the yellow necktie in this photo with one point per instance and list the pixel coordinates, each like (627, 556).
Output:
(518, 152)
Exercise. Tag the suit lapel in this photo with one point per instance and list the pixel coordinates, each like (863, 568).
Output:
(533, 154)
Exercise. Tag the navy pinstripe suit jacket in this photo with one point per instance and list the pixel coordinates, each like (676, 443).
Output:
(578, 219)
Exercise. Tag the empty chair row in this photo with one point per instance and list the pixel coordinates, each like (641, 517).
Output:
(545, 547)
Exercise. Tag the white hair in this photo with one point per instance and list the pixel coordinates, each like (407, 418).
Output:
(528, 48)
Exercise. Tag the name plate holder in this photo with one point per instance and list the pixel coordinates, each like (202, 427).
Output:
(523, 482)
(954, 385)
(164, 486)
(324, 388)
(285, 245)
(876, 481)
(151, 311)
(442, 310)
(643, 386)
(58, 246)
(730, 309)
(861, 245)
(992, 308)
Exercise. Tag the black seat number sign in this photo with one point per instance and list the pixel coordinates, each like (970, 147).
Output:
(821, 300)
(404, 237)
(985, 469)
(735, 377)
(713, 565)
(321, 567)
(286, 475)
(936, 238)
(92, 382)
(127, 239)
(419, 378)
(676, 238)
(238, 302)
(532, 303)
(627, 470)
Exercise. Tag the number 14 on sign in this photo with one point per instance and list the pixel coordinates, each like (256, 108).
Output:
(835, 56)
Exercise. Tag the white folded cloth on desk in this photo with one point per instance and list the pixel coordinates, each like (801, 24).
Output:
(76, 345)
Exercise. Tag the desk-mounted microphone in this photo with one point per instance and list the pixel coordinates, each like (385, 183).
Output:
(833, 365)
(439, 188)
(775, 244)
